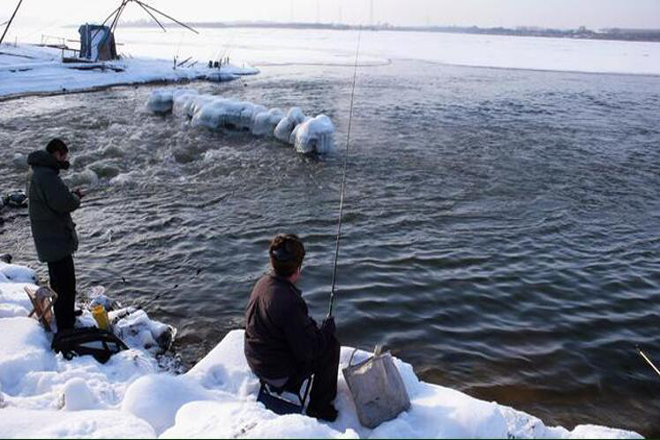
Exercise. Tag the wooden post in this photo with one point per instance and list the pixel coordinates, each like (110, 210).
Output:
(10, 20)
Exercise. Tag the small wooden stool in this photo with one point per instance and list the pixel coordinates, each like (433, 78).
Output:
(42, 300)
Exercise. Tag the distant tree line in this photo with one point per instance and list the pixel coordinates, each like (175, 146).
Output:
(581, 33)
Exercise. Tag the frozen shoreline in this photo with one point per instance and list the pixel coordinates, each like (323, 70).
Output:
(27, 70)
(132, 396)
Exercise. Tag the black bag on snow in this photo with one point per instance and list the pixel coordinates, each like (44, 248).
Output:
(99, 343)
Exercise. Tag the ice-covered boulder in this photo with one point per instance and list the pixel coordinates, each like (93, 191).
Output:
(17, 274)
(182, 100)
(265, 122)
(134, 327)
(309, 135)
(160, 101)
(316, 135)
(283, 130)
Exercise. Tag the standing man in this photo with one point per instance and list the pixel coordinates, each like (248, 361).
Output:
(50, 207)
(283, 345)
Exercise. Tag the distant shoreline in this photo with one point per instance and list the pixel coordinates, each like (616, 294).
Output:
(613, 34)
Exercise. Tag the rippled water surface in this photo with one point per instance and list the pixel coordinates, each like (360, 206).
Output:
(502, 228)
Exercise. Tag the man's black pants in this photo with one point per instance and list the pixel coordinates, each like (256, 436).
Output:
(63, 281)
(325, 369)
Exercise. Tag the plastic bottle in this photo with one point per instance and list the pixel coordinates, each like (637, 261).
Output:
(101, 316)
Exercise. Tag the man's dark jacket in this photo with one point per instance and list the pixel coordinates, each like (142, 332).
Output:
(280, 337)
(50, 206)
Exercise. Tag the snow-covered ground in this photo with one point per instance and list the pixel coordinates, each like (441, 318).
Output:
(26, 69)
(43, 395)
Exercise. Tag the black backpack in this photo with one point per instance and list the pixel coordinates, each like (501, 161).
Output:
(99, 343)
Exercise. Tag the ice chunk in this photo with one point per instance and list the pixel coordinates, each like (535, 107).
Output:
(284, 128)
(288, 124)
(160, 101)
(224, 113)
(265, 122)
(85, 177)
(17, 274)
(134, 327)
(183, 98)
(315, 136)
(294, 133)
(296, 114)
(209, 114)
(257, 109)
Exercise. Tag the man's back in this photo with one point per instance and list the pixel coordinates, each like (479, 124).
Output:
(279, 334)
(50, 206)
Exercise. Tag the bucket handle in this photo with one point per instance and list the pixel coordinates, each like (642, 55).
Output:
(377, 351)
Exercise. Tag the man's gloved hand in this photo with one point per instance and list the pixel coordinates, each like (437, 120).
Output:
(328, 325)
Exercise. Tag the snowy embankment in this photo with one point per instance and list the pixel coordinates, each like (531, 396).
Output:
(43, 395)
(26, 69)
(306, 134)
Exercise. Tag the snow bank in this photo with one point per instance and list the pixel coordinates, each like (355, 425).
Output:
(131, 396)
(308, 135)
(29, 69)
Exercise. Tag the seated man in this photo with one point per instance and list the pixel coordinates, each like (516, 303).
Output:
(283, 345)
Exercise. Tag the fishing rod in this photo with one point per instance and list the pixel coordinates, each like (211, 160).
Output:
(343, 179)
(10, 20)
(646, 358)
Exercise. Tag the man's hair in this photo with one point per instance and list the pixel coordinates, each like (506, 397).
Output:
(57, 145)
(286, 253)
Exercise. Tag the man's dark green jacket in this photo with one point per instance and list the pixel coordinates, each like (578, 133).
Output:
(50, 205)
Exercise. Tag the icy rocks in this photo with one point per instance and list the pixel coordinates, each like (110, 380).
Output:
(134, 327)
(266, 121)
(308, 135)
(16, 274)
(160, 102)
(315, 135)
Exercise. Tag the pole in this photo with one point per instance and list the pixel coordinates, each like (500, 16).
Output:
(10, 20)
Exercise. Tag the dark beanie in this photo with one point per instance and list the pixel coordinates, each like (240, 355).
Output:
(57, 145)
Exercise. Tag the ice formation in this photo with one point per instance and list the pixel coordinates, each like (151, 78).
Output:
(307, 135)
(131, 396)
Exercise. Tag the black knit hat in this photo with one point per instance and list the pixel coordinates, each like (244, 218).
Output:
(57, 145)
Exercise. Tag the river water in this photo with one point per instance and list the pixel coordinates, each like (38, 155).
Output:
(501, 230)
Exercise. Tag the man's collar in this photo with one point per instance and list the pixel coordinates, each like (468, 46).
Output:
(285, 280)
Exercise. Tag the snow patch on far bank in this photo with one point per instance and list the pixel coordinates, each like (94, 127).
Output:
(26, 69)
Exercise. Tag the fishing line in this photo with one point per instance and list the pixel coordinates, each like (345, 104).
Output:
(642, 354)
(343, 179)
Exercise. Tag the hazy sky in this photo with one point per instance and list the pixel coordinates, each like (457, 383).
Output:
(545, 13)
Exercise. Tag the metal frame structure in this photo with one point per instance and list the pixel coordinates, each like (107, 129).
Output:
(116, 14)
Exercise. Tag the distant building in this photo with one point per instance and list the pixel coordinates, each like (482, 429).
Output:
(97, 43)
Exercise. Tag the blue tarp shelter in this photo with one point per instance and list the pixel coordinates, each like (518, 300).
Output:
(97, 43)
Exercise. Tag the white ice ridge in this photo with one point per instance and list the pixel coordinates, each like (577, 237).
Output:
(306, 134)
(42, 395)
